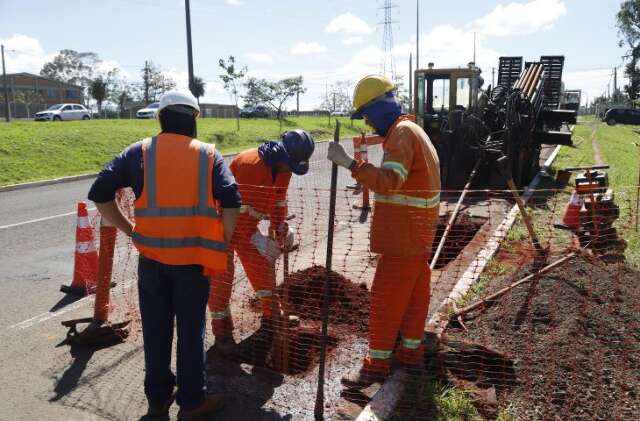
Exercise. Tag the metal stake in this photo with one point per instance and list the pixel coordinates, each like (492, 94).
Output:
(319, 408)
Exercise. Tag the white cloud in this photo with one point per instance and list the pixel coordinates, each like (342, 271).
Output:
(304, 48)
(260, 57)
(353, 41)
(446, 46)
(234, 2)
(24, 54)
(349, 24)
(520, 18)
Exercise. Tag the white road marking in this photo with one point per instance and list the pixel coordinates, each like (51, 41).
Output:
(46, 218)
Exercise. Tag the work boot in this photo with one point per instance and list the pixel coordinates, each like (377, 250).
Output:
(363, 378)
(211, 405)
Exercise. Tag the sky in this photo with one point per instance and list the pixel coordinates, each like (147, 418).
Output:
(324, 41)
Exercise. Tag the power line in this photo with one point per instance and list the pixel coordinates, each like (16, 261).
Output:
(388, 62)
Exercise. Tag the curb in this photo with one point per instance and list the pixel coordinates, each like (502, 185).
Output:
(72, 178)
(69, 179)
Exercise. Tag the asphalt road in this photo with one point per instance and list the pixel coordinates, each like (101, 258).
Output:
(37, 233)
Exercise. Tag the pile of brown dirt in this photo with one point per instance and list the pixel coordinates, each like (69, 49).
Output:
(574, 338)
(349, 302)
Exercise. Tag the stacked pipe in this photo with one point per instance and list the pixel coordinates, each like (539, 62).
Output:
(529, 80)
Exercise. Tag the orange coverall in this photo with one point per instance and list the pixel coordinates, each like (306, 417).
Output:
(405, 217)
(265, 194)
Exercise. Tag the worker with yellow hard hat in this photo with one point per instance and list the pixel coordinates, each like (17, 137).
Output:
(407, 198)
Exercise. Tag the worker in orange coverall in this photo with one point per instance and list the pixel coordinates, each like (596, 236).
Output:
(407, 198)
(263, 176)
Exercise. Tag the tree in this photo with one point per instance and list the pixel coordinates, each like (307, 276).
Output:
(154, 83)
(70, 66)
(98, 89)
(27, 98)
(337, 97)
(198, 88)
(272, 94)
(628, 23)
(231, 78)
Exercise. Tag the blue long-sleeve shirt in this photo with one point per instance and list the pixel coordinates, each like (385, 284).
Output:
(127, 170)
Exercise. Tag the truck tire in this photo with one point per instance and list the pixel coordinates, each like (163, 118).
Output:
(611, 122)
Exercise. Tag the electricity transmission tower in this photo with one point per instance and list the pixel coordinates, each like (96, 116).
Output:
(388, 65)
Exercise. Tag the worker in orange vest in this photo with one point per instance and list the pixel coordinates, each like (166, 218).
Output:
(186, 207)
(263, 175)
(405, 217)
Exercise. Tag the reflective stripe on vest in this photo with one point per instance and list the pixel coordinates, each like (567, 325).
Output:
(403, 200)
(379, 354)
(411, 343)
(175, 243)
(155, 212)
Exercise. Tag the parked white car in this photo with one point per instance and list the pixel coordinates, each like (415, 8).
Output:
(340, 113)
(60, 112)
(150, 111)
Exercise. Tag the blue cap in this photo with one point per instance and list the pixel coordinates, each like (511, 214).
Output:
(299, 146)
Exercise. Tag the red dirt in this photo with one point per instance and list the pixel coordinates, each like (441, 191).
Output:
(349, 302)
(574, 339)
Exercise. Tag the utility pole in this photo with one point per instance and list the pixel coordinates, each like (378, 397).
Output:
(493, 77)
(298, 101)
(615, 82)
(417, 34)
(474, 48)
(6, 90)
(189, 49)
(410, 84)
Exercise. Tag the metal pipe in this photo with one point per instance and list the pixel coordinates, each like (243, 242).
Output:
(535, 81)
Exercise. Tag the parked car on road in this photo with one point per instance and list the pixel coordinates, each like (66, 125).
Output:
(621, 116)
(150, 111)
(61, 112)
(259, 111)
(340, 113)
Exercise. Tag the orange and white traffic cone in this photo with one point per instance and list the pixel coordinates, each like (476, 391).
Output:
(571, 218)
(85, 267)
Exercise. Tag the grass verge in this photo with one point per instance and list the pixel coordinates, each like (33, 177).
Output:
(32, 151)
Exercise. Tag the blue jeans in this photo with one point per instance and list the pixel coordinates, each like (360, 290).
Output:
(166, 292)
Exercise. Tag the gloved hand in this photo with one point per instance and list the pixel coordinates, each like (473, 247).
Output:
(267, 247)
(339, 156)
(285, 236)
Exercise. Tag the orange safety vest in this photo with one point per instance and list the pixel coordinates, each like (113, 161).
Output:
(177, 220)
(405, 221)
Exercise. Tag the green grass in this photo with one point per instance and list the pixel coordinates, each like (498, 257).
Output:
(425, 398)
(493, 270)
(42, 150)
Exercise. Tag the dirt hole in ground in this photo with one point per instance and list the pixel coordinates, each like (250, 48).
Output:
(303, 344)
(461, 234)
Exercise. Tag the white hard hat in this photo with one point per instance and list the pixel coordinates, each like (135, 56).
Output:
(178, 98)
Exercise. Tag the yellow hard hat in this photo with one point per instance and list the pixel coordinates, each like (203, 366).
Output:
(369, 88)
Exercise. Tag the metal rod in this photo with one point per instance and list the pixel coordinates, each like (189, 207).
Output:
(454, 216)
(189, 46)
(319, 407)
(495, 295)
(6, 90)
